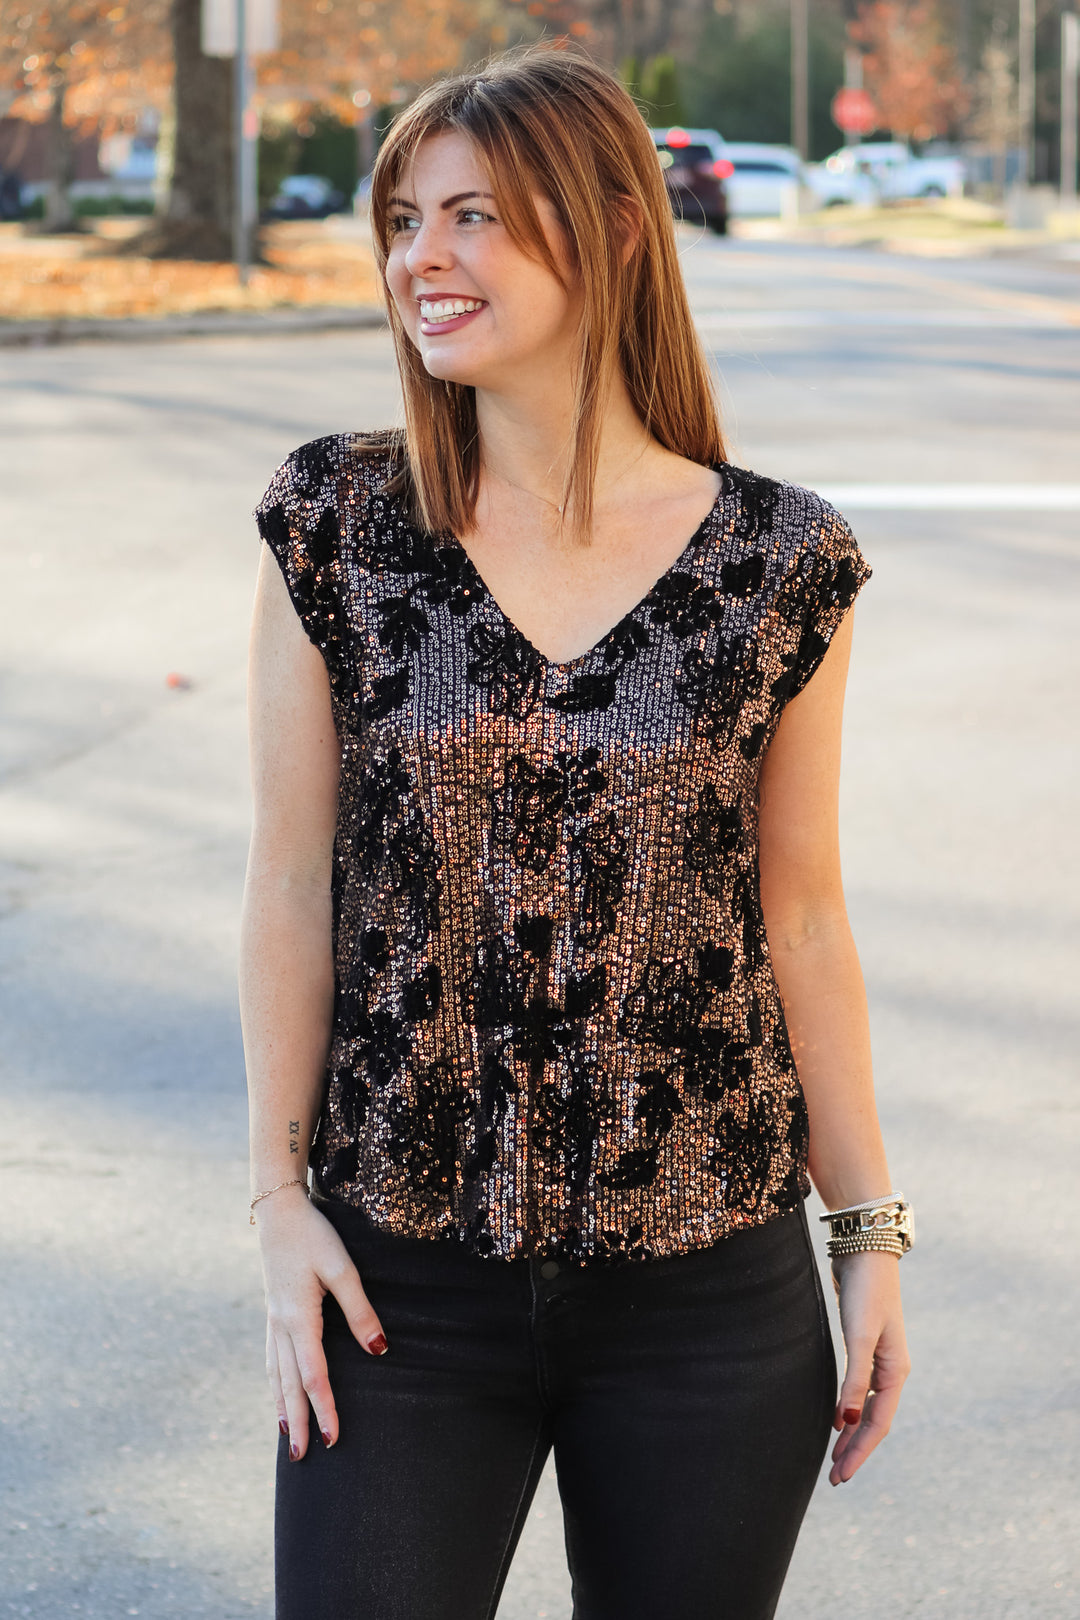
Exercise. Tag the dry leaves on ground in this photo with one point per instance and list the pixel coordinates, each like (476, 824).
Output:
(74, 276)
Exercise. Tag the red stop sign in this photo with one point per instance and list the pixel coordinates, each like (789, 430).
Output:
(853, 112)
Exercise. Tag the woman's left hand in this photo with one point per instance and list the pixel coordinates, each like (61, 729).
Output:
(868, 1288)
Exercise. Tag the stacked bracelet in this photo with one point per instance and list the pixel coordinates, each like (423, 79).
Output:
(881, 1225)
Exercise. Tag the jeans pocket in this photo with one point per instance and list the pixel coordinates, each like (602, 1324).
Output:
(829, 1367)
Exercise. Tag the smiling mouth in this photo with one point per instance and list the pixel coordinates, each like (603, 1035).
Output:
(437, 311)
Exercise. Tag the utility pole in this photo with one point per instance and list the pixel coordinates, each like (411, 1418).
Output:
(1070, 83)
(244, 151)
(1025, 99)
(800, 77)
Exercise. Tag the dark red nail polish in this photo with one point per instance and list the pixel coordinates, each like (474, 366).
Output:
(283, 1425)
(377, 1345)
(294, 1452)
(326, 1440)
(852, 1414)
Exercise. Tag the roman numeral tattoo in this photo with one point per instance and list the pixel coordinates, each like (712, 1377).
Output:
(294, 1136)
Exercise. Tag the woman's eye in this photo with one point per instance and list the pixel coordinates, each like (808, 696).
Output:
(469, 216)
(402, 222)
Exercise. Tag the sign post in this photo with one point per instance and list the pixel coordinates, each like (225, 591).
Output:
(1025, 89)
(1070, 82)
(800, 78)
(852, 81)
(239, 28)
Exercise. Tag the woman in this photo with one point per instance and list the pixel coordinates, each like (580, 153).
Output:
(540, 686)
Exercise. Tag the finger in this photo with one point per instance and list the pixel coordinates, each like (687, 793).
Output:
(364, 1324)
(295, 1396)
(856, 1444)
(311, 1362)
(274, 1377)
(857, 1375)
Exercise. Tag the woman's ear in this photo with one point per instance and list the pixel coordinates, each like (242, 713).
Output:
(630, 218)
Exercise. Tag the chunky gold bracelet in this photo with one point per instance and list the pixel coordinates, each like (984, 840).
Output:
(879, 1224)
(260, 1196)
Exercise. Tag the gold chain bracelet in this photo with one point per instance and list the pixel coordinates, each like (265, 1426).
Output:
(260, 1196)
(883, 1225)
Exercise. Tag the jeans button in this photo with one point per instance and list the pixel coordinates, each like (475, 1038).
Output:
(549, 1269)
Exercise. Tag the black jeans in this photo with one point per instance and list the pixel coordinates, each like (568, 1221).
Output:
(688, 1400)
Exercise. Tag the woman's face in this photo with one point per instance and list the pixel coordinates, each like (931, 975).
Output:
(480, 311)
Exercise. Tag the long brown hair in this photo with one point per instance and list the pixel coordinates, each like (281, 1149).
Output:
(550, 120)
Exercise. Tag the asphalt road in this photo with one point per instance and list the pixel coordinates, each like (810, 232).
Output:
(135, 1466)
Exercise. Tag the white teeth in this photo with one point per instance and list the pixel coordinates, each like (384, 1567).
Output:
(448, 309)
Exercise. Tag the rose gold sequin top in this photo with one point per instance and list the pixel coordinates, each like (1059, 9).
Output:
(557, 1033)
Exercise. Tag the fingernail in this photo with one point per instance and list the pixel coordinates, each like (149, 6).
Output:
(377, 1345)
(852, 1414)
(283, 1425)
(294, 1451)
(326, 1440)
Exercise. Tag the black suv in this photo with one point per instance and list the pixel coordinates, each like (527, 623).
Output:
(695, 169)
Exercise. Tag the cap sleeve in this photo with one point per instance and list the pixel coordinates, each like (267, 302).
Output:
(299, 520)
(836, 573)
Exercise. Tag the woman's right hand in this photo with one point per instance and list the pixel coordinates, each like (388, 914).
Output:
(303, 1260)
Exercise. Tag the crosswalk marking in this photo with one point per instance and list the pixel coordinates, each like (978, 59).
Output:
(953, 497)
(718, 322)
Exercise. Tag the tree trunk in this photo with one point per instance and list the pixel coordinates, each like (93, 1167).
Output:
(59, 213)
(196, 222)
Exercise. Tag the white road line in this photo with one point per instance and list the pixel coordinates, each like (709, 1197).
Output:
(953, 497)
(718, 322)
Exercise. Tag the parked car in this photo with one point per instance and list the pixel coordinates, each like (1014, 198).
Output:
(696, 167)
(883, 171)
(304, 196)
(11, 195)
(763, 177)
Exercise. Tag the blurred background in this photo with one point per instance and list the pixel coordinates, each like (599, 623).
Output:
(879, 234)
(142, 137)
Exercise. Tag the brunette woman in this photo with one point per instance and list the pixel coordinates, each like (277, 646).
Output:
(547, 978)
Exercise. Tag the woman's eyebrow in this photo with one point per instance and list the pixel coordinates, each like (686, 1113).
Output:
(459, 197)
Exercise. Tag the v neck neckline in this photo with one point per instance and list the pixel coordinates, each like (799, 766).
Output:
(590, 652)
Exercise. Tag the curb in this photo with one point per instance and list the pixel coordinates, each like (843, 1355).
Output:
(210, 323)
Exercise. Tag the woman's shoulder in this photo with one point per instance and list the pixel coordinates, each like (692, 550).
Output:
(774, 511)
(324, 472)
(792, 541)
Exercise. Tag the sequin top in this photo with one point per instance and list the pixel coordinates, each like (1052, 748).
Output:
(556, 1031)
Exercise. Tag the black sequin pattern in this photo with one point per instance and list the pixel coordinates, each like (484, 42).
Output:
(556, 1032)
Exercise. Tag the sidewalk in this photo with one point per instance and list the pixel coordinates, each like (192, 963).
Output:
(942, 229)
(206, 323)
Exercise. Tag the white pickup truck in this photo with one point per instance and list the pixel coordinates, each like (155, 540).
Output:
(881, 171)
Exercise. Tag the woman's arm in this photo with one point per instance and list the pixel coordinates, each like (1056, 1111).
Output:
(817, 970)
(287, 998)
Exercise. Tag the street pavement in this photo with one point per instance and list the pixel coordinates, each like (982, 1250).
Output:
(136, 1459)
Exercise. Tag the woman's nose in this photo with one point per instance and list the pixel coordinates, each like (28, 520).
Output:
(428, 250)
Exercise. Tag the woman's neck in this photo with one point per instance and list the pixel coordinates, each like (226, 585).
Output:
(527, 441)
